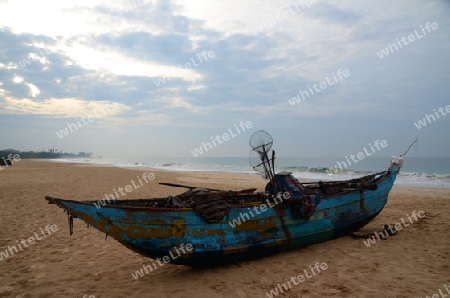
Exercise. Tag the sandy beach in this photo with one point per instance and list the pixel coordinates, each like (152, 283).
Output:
(414, 263)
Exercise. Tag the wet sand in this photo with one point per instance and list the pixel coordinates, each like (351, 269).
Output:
(414, 263)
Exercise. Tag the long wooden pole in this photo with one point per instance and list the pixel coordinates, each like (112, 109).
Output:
(186, 186)
(249, 190)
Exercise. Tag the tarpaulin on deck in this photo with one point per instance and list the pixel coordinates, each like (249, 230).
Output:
(285, 182)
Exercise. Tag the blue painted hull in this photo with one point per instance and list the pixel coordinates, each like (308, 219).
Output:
(155, 232)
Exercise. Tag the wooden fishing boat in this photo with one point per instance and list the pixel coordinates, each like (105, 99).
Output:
(154, 227)
(221, 227)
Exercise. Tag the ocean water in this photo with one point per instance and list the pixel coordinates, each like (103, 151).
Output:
(417, 172)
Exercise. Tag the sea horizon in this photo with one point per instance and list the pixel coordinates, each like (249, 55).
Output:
(417, 171)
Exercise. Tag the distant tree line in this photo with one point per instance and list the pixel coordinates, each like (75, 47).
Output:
(52, 153)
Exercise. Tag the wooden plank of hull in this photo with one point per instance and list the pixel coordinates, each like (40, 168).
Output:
(153, 232)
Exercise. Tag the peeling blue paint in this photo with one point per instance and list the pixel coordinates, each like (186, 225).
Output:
(154, 231)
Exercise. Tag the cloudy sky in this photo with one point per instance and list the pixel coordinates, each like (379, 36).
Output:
(158, 78)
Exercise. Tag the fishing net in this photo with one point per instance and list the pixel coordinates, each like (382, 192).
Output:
(262, 158)
(261, 141)
(259, 163)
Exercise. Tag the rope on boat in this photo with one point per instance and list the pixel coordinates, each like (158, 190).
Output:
(415, 141)
(233, 198)
(70, 218)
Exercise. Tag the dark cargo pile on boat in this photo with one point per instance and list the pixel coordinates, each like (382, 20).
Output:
(210, 206)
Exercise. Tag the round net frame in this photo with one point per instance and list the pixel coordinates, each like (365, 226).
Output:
(261, 158)
(261, 141)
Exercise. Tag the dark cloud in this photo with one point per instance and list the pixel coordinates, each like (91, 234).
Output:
(332, 13)
(250, 77)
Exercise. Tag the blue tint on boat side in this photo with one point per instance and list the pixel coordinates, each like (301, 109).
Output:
(155, 232)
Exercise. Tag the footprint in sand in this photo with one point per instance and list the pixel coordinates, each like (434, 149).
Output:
(40, 275)
(68, 260)
(6, 291)
(36, 267)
